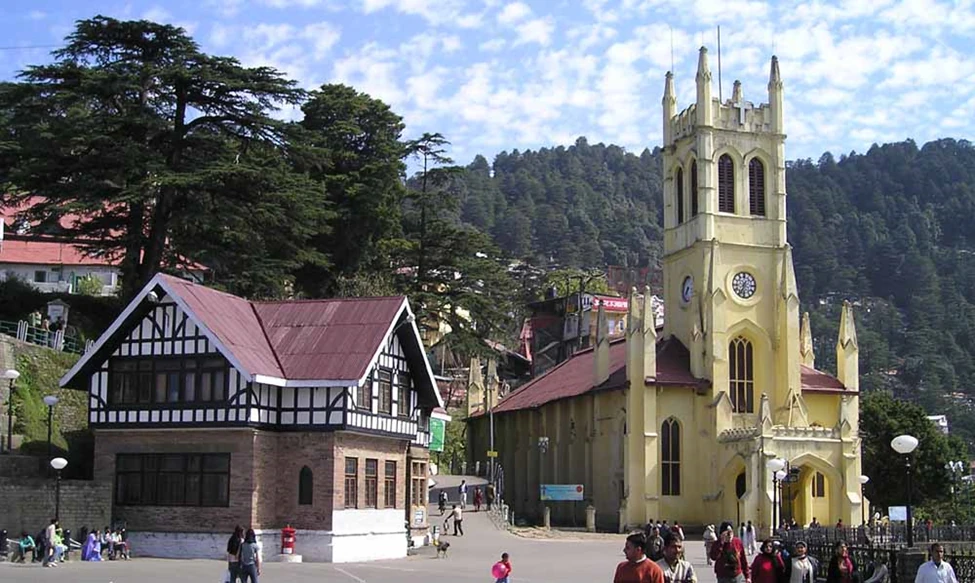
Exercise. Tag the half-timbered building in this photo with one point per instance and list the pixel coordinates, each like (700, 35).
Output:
(211, 411)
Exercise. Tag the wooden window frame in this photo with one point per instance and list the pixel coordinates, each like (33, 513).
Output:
(150, 486)
(726, 184)
(418, 483)
(351, 482)
(389, 484)
(756, 187)
(306, 486)
(670, 442)
(384, 380)
(372, 482)
(364, 395)
(819, 485)
(741, 375)
(134, 381)
(404, 397)
(680, 195)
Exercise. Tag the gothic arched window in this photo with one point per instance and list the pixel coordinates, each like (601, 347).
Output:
(756, 187)
(741, 375)
(670, 457)
(304, 486)
(694, 203)
(819, 486)
(726, 184)
(680, 195)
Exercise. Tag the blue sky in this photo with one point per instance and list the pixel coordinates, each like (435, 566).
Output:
(495, 75)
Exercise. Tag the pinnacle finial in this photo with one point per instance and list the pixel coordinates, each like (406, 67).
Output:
(774, 77)
(703, 71)
(736, 92)
(806, 351)
(669, 86)
(848, 330)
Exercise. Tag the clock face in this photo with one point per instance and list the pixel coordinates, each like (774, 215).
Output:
(743, 284)
(687, 289)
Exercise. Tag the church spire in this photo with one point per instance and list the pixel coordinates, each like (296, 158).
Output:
(670, 108)
(704, 114)
(847, 351)
(806, 353)
(775, 96)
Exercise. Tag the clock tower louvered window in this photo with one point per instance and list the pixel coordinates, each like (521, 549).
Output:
(756, 187)
(726, 184)
(694, 203)
(680, 195)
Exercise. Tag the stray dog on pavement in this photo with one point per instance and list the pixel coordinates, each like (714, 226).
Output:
(442, 549)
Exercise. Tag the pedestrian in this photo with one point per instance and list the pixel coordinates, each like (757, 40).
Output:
(489, 496)
(462, 491)
(233, 550)
(637, 568)
(655, 545)
(937, 570)
(249, 558)
(804, 567)
(750, 538)
(478, 499)
(676, 569)
(502, 569)
(841, 569)
(728, 554)
(676, 529)
(458, 517)
(442, 502)
(709, 538)
(49, 549)
(768, 566)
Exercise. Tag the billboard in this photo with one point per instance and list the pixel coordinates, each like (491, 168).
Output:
(560, 492)
(438, 429)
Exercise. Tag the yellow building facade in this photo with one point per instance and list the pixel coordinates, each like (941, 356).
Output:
(679, 423)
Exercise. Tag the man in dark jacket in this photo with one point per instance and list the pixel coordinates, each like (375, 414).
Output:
(728, 554)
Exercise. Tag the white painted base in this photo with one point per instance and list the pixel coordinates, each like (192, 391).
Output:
(286, 559)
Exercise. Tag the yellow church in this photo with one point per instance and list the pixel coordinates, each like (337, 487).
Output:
(679, 423)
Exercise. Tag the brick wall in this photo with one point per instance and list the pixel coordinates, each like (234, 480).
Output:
(278, 472)
(240, 445)
(365, 447)
(28, 504)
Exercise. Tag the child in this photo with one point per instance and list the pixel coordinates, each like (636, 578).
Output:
(502, 569)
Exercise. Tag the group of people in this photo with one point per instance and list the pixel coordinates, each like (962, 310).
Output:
(243, 557)
(772, 564)
(113, 544)
(480, 497)
(51, 545)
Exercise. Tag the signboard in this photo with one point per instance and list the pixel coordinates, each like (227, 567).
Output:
(437, 432)
(419, 517)
(612, 304)
(561, 492)
(897, 513)
(492, 453)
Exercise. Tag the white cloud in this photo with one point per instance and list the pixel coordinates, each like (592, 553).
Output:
(538, 31)
(514, 12)
(157, 14)
(36, 15)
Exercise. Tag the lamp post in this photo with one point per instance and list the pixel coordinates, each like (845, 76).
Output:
(863, 516)
(905, 445)
(10, 375)
(50, 401)
(58, 464)
(956, 468)
(777, 467)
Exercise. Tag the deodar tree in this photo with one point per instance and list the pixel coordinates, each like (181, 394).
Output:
(136, 131)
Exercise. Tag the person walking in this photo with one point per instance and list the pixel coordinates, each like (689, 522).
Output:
(804, 567)
(489, 494)
(442, 502)
(709, 539)
(478, 499)
(728, 554)
(462, 491)
(676, 569)
(233, 550)
(768, 566)
(249, 558)
(841, 568)
(750, 538)
(637, 568)
(50, 557)
(501, 570)
(458, 517)
(937, 570)
(655, 545)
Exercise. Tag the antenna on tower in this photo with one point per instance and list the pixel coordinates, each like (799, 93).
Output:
(720, 98)
(671, 48)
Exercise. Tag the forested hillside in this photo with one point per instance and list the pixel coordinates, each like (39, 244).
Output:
(888, 230)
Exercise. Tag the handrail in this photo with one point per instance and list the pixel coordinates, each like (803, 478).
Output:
(56, 340)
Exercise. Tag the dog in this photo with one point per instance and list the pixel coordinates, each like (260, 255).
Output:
(442, 549)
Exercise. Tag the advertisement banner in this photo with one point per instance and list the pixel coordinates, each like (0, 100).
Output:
(561, 492)
(438, 429)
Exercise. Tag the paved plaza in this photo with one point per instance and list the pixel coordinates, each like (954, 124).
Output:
(561, 560)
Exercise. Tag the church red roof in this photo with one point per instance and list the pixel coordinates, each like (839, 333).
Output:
(815, 381)
(573, 377)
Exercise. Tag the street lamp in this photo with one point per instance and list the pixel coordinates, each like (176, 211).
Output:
(58, 464)
(905, 445)
(863, 482)
(50, 401)
(777, 467)
(956, 468)
(11, 375)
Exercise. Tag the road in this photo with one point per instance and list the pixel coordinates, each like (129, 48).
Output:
(470, 559)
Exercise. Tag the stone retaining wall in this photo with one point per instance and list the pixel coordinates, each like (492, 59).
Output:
(28, 504)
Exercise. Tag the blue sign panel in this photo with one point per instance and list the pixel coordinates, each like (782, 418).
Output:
(561, 491)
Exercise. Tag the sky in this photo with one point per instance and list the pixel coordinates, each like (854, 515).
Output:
(493, 75)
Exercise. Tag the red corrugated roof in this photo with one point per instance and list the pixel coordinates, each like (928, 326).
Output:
(815, 381)
(573, 377)
(327, 339)
(233, 321)
(48, 253)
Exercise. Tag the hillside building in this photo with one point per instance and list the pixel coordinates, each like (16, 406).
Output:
(679, 421)
(211, 411)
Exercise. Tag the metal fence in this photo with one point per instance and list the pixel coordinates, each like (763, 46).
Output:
(56, 340)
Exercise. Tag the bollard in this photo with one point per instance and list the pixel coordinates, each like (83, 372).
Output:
(590, 518)
(67, 545)
(547, 517)
(3, 546)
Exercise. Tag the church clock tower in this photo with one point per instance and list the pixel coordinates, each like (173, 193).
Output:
(729, 283)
